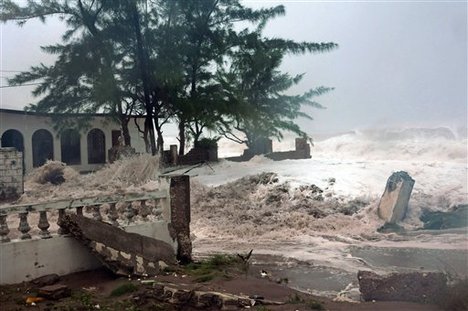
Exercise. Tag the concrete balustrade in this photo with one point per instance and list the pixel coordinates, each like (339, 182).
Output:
(69, 206)
(33, 242)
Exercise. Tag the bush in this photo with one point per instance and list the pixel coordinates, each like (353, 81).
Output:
(213, 267)
(124, 289)
(456, 296)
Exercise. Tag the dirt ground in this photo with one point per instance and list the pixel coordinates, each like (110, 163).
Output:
(93, 290)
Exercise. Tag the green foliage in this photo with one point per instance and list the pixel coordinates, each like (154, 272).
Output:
(311, 304)
(176, 60)
(455, 298)
(216, 266)
(123, 289)
(85, 299)
(314, 305)
(258, 89)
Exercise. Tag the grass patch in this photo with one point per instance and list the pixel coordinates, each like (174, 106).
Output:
(295, 299)
(216, 266)
(123, 289)
(310, 304)
(314, 305)
(456, 296)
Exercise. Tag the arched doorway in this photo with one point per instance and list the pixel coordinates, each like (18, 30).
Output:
(42, 146)
(70, 147)
(13, 138)
(96, 147)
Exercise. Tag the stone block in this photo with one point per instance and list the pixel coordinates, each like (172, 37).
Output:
(54, 292)
(45, 280)
(394, 202)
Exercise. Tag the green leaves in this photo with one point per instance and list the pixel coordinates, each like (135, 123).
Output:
(183, 60)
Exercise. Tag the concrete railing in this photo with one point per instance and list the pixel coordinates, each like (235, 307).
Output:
(132, 206)
(33, 243)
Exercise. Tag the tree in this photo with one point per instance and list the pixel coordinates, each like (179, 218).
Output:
(207, 29)
(167, 60)
(256, 88)
(86, 76)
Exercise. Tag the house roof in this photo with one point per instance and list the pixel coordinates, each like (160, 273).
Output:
(49, 114)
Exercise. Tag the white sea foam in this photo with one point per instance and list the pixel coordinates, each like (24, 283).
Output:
(278, 218)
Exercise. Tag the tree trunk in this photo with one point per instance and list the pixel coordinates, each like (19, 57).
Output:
(125, 132)
(149, 126)
(141, 56)
(182, 138)
(160, 146)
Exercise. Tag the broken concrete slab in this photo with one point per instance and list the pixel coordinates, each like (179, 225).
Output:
(44, 280)
(54, 292)
(122, 252)
(206, 300)
(394, 202)
(421, 287)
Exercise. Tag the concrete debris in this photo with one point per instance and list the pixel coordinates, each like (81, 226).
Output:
(54, 292)
(200, 299)
(122, 252)
(45, 280)
(394, 202)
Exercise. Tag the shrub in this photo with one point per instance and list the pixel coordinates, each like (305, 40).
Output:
(456, 296)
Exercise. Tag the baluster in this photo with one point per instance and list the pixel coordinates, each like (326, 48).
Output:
(113, 215)
(79, 210)
(129, 212)
(4, 228)
(97, 212)
(44, 225)
(62, 230)
(24, 226)
(156, 211)
(144, 209)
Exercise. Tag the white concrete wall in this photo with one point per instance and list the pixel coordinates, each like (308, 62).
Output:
(28, 259)
(28, 123)
(24, 260)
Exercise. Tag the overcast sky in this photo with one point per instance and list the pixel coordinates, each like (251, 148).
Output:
(399, 63)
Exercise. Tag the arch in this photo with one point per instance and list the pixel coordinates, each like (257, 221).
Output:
(13, 138)
(96, 147)
(70, 147)
(42, 147)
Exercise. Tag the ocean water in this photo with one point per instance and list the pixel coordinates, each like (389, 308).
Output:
(319, 215)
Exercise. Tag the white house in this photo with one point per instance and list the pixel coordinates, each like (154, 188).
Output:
(86, 150)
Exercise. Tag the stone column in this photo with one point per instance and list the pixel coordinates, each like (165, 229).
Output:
(180, 217)
(174, 155)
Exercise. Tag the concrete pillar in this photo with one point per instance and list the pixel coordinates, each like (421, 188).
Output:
(180, 216)
(394, 202)
(174, 155)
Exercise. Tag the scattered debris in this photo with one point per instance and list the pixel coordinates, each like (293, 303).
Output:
(33, 300)
(422, 287)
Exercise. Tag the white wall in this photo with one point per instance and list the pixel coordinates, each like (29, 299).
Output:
(24, 260)
(27, 124)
